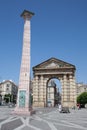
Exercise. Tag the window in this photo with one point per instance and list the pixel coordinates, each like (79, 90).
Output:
(8, 85)
(7, 89)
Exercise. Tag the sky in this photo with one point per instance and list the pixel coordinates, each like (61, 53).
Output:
(58, 29)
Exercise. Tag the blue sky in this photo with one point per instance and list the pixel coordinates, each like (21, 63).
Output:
(58, 29)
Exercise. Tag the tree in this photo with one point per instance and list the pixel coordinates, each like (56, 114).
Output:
(82, 98)
(7, 98)
(10, 98)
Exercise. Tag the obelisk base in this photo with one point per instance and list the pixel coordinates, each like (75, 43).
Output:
(23, 111)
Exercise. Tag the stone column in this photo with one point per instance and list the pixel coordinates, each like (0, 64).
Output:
(41, 92)
(45, 92)
(72, 90)
(23, 101)
(35, 91)
(64, 91)
(68, 90)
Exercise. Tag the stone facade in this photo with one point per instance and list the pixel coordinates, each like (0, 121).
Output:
(54, 68)
(80, 88)
(8, 87)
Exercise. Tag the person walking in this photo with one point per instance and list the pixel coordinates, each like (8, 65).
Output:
(60, 107)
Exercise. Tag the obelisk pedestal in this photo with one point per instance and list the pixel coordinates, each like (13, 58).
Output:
(23, 99)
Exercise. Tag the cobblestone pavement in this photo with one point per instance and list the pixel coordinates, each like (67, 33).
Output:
(44, 119)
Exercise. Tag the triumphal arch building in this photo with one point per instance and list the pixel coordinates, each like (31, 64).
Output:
(54, 68)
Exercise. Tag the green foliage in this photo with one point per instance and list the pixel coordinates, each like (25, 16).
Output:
(82, 98)
(10, 98)
(7, 98)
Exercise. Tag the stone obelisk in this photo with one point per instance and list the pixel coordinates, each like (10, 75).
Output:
(23, 98)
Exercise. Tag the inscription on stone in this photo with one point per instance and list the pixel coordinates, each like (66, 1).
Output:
(22, 96)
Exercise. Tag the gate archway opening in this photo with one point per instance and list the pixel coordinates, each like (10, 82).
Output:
(53, 94)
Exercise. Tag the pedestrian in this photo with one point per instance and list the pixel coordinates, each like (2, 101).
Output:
(78, 106)
(60, 107)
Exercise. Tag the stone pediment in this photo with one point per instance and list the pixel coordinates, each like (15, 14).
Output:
(53, 63)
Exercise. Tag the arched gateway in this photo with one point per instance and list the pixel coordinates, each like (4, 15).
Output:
(54, 68)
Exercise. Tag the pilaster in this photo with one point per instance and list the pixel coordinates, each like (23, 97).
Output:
(64, 88)
(45, 92)
(36, 91)
(41, 92)
(72, 90)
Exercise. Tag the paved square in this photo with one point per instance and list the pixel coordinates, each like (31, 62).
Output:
(44, 119)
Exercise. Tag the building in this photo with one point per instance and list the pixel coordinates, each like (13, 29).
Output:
(58, 97)
(80, 88)
(51, 93)
(8, 87)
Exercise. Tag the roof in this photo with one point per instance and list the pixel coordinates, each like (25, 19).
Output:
(26, 11)
(7, 81)
(53, 62)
